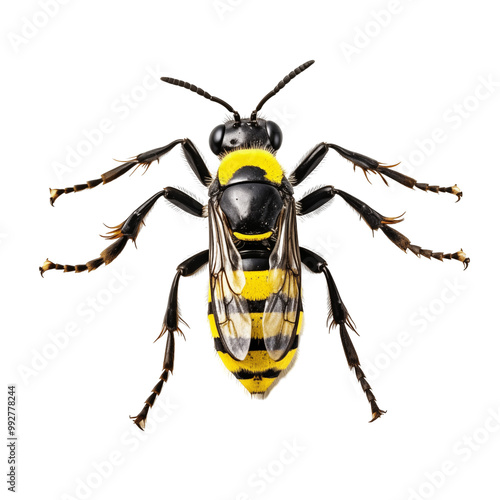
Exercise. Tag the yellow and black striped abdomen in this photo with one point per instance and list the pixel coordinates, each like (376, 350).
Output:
(257, 371)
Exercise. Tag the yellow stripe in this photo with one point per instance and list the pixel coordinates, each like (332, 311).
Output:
(257, 286)
(213, 327)
(255, 386)
(256, 361)
(260, 284)
(253, 237)
(261, 158)
(257, 332)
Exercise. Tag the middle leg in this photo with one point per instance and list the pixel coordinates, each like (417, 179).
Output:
(129, 230)
(375, 221)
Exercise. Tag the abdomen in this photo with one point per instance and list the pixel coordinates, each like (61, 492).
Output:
(257, 372)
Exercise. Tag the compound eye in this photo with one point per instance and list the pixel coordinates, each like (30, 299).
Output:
(216, 138)
(275, 134)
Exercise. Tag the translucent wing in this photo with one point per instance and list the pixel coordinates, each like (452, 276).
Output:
(230, 308)
(283, 306)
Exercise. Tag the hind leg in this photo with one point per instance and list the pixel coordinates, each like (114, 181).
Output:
(171, 325)
(339, 316)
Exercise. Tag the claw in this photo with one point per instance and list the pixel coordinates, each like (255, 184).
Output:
(54, 194)
(46, 266)
(140, 419)
(462, 257)
(376, 411)
(457, 192)
(377, 415)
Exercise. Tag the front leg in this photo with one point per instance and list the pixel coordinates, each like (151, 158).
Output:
(367, 164)
(192, 155)
(129, 230)
(375, 221)
(338, 316)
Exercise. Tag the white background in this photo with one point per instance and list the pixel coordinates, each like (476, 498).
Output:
(429, 331)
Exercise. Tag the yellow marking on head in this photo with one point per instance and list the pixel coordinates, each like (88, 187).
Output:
(253, 237)
(260, 158)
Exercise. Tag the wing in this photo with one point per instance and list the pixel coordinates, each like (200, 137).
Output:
(227, 280)
(283, 306)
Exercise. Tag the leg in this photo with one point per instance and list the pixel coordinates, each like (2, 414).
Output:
(144, 159)
(375, 221)
(338, 316)
(171, 325)
(129, 230)
(368, 165)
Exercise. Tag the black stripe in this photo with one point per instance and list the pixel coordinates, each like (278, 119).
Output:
(258, 306)
(280, 301)
(247, 374)
(255, 345)
(254, 306)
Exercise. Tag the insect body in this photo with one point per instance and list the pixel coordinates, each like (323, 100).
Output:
(254, 258)
(255, 296)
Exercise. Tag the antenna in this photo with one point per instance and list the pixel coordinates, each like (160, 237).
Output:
(280, 85)
(194, 88)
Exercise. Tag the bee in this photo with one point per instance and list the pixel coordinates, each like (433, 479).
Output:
(254, 257)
